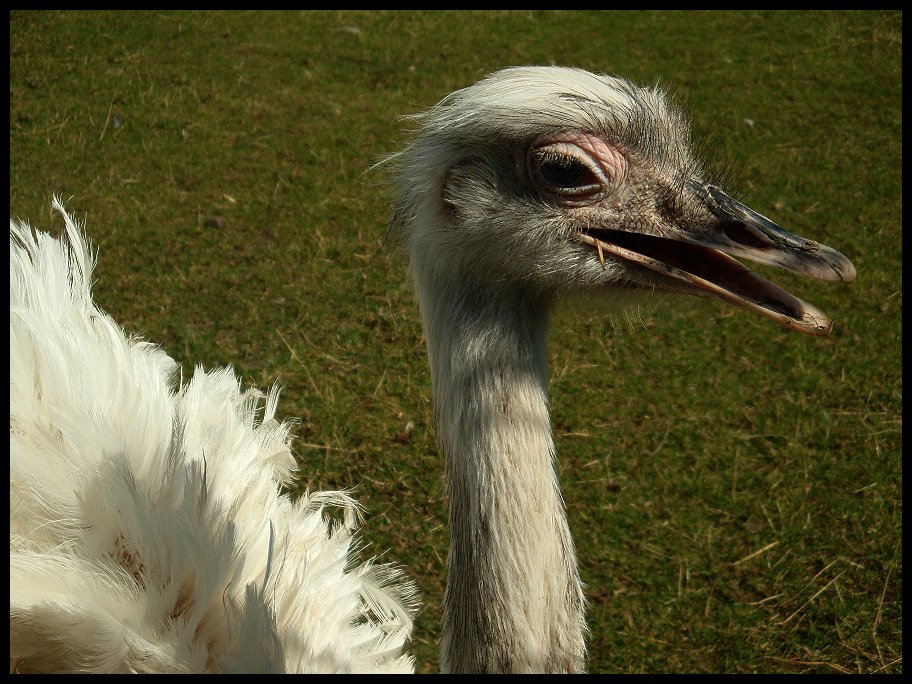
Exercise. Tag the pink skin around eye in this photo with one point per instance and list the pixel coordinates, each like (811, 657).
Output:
(609, 159)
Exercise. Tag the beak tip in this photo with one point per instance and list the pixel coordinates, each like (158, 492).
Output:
(842, 268)
(815, 322)
(848, 274)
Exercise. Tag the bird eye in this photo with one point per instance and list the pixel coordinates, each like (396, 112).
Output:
(564, 172)
(560, 173)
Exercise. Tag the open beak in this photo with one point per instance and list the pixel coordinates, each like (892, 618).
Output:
(701, 261)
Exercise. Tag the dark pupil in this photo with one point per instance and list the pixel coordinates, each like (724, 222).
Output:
(564, 172)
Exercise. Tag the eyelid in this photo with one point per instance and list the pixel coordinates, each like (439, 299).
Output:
(571, 151)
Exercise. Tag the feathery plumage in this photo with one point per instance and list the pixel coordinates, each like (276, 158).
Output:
(147, 529)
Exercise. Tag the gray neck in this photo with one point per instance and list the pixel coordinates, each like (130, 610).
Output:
(514, 601)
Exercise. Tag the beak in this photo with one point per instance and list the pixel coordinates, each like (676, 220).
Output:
(700, 260)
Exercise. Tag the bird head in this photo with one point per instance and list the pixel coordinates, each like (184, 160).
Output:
(559, 179)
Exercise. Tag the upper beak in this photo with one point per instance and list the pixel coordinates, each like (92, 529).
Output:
(700, 259)
(744, 232)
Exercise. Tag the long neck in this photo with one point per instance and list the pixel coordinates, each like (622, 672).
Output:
(514, 601)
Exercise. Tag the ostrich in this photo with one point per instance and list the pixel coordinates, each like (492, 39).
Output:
(152, 514)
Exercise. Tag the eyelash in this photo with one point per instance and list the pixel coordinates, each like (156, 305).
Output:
(585, 183)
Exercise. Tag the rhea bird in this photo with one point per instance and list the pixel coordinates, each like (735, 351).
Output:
(532, 184)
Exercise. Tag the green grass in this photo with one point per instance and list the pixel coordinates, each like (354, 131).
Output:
(735, 490)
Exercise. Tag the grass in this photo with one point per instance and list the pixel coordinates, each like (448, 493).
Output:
(735, 490)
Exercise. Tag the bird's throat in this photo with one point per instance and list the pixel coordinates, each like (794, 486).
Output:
(513, 601)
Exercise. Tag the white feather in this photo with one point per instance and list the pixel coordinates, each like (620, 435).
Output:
(147, 530)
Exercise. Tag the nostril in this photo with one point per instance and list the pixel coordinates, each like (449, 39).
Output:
(745, 235)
